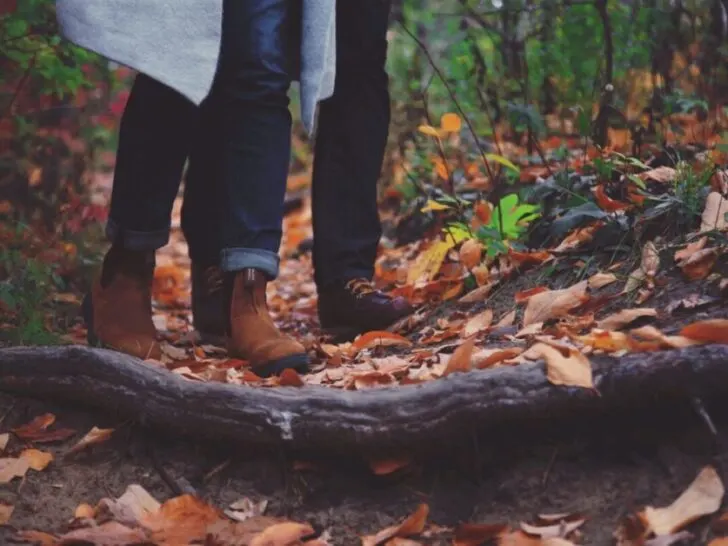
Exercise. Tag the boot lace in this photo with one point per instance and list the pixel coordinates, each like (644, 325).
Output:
(360, 287)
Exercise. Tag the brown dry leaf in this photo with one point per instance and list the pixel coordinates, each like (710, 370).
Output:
(111, 533)
(507, 320)
(84, 511)
(290, 378)
(599, 280)
(389, 466)
(479, 294)
(4, 439)
(650, 333)
(286, 533)
(94, 436)
(37, 460)
(478, 323)
(524, 295)
(579, 236)
(707, 331)
(560, 528)
(38, 538)
(530, 330)
(399, 541)
(245, 509)
(471, 253)
(461, 359)
(413, 525)
(722, 541)
(572, 370)
(6, 512)
(490, 357)
(132, 507)
(181, 520)
(376, 339)
(699, 265)
(12, 468)
(714, 214)
(475, 534)
(37, 425)
(646, 271)
(609, 342)
(660, 174)
(554, 303)
(669, 540)
(229, 533)
(625, 317)
(692, 248)
(702, 497)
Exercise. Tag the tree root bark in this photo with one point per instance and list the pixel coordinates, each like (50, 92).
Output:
(320, 418)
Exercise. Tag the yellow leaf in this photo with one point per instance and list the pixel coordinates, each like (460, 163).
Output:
(503, 161)
(429, 130)
(434, 205)
(428, 264)
(451, 123)
(37, 460)
(702, 497)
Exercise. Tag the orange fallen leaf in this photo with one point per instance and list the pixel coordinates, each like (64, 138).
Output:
(685, 253)
(131, 508)
(609, 342)
(377, 338)
(607, 203)
(6, 512)
(554, 303)
(707, 331)
(450, 122)
(461, 359)
(94, 436)
(180, 520)
(702, 497)
(286, 533)
(490, 357)
(413, 525)
(471, 253)
(660, 174)
(37, 460)
(38, 538)
(625, 317)
(600, 280)
(4, 439)
(84, 511)
(479, 294)
(37, 425)
(110, 533)
(572, 369)
(579, 236)
(650, 333)
(475, 534)
(478, 323)
(722, 541)
(700, 264)
(525, 295)
(368, 380)
(522, 259)
(389, 466)
(290, 378)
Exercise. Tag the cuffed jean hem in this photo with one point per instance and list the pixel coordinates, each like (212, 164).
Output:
(237, 259)
(136, 240)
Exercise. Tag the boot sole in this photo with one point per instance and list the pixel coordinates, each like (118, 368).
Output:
(298, 362)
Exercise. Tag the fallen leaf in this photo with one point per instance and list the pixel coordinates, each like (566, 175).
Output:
(230, 533)
(554, 303)
(377, 338)
(707, 331)
(4, 439)
(94, 436)
(699, 265)
(669, 540)
(111, 533)
(651, 333)
(660, 174)
(479, 294)
(428, 264)
(553, 529)
(507, 320)
(478, 323)
(389, 466)
(84, 511)
(490, 357)
(37, 425)
(471, 253)
(6, 512)
(625, 317)
(245, 509)
(282, 534)
(413, 525)
(702, 497)
(714, 214)
(609, 342)
(180, 520)
(524, 295)
(476, 534)
(722, 541)
(37, 538)
(646, 271)
(601, 280)
(11, 468)
(461, 359)
(37, 460)
(685, 253)
(398, 541)
(606, 203)
(572, 370)
(290, 378)
(132, 507)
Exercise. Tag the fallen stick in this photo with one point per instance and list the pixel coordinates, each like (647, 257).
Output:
(320, 418)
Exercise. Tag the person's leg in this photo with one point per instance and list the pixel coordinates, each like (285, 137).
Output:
(201, 208)
(149, 163)
(349, 150)
(250, 98)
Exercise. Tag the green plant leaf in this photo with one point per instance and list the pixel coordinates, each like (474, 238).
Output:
(503, 161)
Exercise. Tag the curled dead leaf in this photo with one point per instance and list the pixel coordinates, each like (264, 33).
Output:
(599, 280)
(625, 317)
(290, 378)
(38, 538)
(413, 525)
(384, 467)
(660, 174)
(702, 497)
(376, 339)
(37, 460)
(94, 436)
(490, 357)
(479, 294)
(572, 369)
(714, 214)
(286, 533)
(554, 303)
(700, 264)
(475, 534)
(34, 427)
(478, 323)
(471, 253)
(461, 359)
(707, 331)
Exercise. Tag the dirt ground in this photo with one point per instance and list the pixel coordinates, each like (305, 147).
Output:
(602, 467)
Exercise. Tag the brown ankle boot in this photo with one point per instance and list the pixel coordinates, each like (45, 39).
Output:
(118, 310)
(252, 334)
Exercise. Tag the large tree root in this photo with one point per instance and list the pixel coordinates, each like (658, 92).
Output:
(316, 418)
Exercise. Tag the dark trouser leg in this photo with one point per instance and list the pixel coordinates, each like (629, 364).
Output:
(251, 102)
(352, 134)
(153, 147)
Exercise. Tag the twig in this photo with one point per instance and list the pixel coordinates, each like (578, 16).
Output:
(549, 468)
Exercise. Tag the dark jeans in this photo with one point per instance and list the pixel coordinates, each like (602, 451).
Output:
(248, 110)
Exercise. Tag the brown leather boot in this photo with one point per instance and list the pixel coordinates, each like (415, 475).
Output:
(252, 334)
(118, 310)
